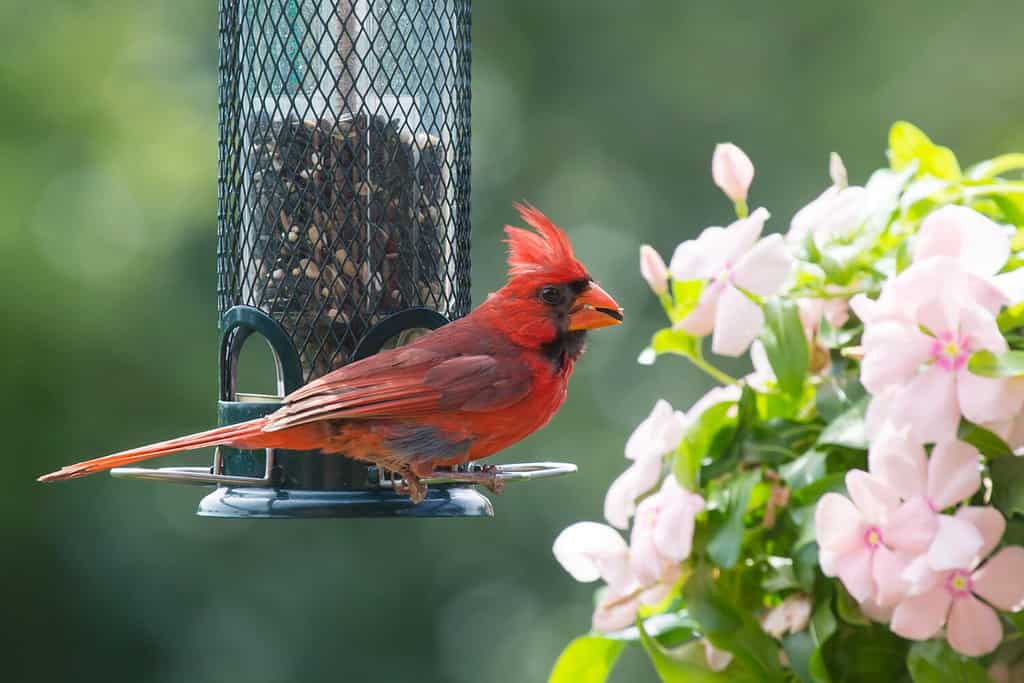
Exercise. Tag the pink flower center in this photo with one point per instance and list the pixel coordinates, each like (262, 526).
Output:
(873, 538)
(723, 278)
(959, 583)
(950, 351)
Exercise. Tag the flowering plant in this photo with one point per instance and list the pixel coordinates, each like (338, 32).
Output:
(852, 509)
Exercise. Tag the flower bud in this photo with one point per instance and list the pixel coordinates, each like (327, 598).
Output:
(732, 170)
(837, 170)
(653, 269)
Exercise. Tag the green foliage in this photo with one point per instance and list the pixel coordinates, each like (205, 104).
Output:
(732, 628)
(1008, 485)
(847, 428)
(1001, 365)
(785, 345)
(724, 545)
(588, 659)
(684, 665)
(989, 444)
(909, 145)
(934, 662)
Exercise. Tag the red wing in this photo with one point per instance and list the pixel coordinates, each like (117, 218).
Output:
(405, 383)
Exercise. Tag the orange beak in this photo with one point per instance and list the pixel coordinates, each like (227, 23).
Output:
(594, 308)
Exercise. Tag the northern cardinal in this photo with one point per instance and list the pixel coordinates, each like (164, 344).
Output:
(457, 394)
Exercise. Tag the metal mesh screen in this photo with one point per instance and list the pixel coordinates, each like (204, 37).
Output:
(344, 165)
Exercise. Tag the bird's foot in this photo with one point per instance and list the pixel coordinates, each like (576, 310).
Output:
(486, 476)
(410, 485)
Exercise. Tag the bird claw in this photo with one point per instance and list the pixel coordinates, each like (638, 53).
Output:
(410, 485)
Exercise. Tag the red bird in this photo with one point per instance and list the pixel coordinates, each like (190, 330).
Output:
(460, 393)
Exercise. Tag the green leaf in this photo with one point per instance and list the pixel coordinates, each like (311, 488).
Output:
(730, 628)
(1008, 485)
(785, 344)
(588, 659)
(908, 143)
(726, 448)
(682, 666)
(725, 543)
(989, 444)
(848, 428)
(994, 167)
(1012, 211)
(933, 661)
(805, 470)
(674, 341)
(999, 365)
(670, 626)
(799, 649)
(685, 295)
(697, 441)
(848, 609)
(1012, 317)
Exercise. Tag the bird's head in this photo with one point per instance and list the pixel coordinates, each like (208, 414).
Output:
(550, 300)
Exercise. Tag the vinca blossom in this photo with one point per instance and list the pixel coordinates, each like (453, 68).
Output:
(917, 339)
(732, 170)
(852, 534)
(732, 263)
(928, 485)
(658, 435)
(950, 598)
(646, 571)
(653, 269)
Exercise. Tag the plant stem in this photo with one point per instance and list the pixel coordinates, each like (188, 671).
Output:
(718, 375)
(741, 209)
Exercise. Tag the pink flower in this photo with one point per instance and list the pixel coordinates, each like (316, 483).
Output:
(835, 311)
(663, 532)
(658, 435)
(980, 245)
(717, 660)
(927, 485)
(731, 261)
(732, 171)
(790, 616)
(837, 171)
(917, 339)
(852, 535)
(653, 269)
(952, 597)
(591, 551)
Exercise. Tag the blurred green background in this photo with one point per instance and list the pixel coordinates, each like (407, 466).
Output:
(602, 113)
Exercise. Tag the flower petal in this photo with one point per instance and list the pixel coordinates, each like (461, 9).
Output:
(658, 434)
(899, 462)
(921, 616)
(929, 405)
(1011, 284)
(962, 233)
(738, 321)
(589, 551)
(893, 352)
(653, 269)
(856, 571)
(887, 572)
(953, 473)
(986, 398)
(701, 320)
(673, 532)
(911, 527)
(875, 500)
(875, 612)
(974, 629)
(989, 522)
(620, 501)
(732, 170)
(1001, 580)
(717, 660)
(743, 233)
(615, 611)
(838, 524)
(701, 258)
(763, 269)
(956, 544)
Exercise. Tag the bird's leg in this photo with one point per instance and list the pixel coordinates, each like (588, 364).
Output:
(410, 485)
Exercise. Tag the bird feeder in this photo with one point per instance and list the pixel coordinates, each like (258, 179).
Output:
(343, 227)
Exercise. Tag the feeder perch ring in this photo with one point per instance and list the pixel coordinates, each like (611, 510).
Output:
(505, 473)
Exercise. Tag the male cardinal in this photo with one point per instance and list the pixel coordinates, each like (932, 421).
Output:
(457, 394)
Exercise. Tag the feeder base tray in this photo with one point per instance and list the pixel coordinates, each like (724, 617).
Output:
(267, 503)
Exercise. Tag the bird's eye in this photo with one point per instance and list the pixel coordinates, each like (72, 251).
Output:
(551, 295)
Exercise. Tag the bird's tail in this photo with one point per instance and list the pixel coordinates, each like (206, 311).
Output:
(213, 437)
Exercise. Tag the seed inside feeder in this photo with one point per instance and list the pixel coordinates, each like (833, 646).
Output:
(348, 216)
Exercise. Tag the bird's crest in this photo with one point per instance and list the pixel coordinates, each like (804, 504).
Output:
(547, 251)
